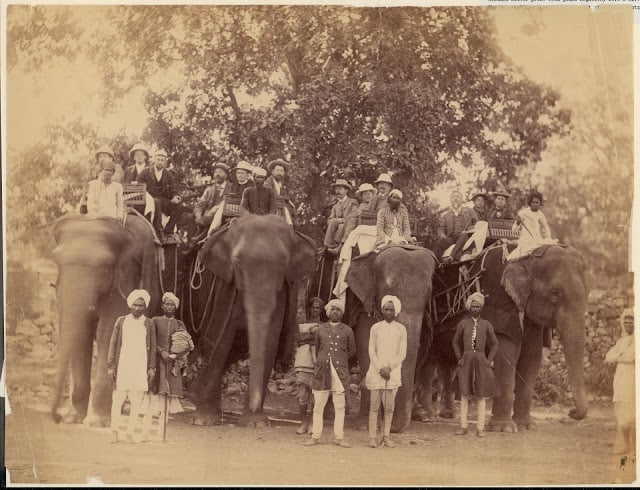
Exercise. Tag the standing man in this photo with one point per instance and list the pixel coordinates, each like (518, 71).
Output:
(345, 209)
(211, 199)
(384, 184)
(241, 173)
(105, 155)
(105, 195)
(453, 222)
(335, 345)
(162, 187)
(277, 170)
(258, 199)
(393, 222)
(387, 351)
(500, 209)
(131, 362)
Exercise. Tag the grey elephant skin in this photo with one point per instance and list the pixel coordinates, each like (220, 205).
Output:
(100, 262)
(550, 288)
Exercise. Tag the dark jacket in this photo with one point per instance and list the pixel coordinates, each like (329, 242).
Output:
(452, 225)
(131, 174)
(475, 376)
(284, 194)
(258, 200)
(237, 189)
(165, 188)
(211, 197)
(504, 213)
(339, 342)
(116, 343)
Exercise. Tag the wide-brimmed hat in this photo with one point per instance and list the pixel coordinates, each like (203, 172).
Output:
(384, 178)
(278, 161)
(161, 153)
(259, 172)
(342, 183)
(478, 193)
(242, 165)
(364, 188)
(501, 191)
(222, 166)
(106, 150)
(138, 147)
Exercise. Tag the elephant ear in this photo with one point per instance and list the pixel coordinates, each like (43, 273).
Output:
(516, 281)
(216, 255)
(361, 280)
(303, 257)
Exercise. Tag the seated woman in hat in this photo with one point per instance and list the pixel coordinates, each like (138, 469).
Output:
(343, 210)
(500, 209)
(105, 196)
(365, 194)
(475, 229)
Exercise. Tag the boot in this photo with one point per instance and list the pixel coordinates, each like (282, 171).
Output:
(304, 426)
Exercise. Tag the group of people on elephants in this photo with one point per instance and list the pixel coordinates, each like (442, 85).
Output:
(524, 288)
(257, 192)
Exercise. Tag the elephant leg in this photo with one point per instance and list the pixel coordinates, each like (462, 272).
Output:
(101, 392)
(447, 395)
(208, 391)
(527, 371)
(81, 358)
(423, 410)
(505, 373)
(362, 348)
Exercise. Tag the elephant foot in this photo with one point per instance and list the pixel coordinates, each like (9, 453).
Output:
(499, 424)
(257, 420)
(400, 424)
(97, 421)
(525, 424)
(361, 423)
(577, 414)
(205, 420)
(447, 413)
(422, 415)
(73, 417)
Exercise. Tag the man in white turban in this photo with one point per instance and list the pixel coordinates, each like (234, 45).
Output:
(169, 296)
(131, 362)
(387, 350)
(623, 354)
(335, 344)
(477, 297)
(393, 222)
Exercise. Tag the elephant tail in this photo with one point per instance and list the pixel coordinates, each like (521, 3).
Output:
(60, 377)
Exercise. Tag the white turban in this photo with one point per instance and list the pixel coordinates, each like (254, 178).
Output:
(628, 312)
(334, 303)
(171, 297)
(478, 297)
(396, 192)
(396, 303)
(136, 294)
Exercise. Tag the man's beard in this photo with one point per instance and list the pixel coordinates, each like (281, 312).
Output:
(394, 206)
(277, 178)
(218, 180)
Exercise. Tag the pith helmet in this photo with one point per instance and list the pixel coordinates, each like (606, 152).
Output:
(138, 147)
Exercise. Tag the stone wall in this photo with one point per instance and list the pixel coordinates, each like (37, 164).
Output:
(602, 324)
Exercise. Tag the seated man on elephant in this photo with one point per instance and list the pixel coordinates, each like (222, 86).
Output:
(241, 173)
(211, 199)
(278, 170)
(343, 210)
(452, 223)
(258, 199)
(475, 230)
(105, 195)
(393, 222)
(161, 185)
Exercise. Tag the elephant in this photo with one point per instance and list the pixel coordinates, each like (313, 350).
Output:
(405, 272)
(100, 262)
(256, 261)
(524, 299)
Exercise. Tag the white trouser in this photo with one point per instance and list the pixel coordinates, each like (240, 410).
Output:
(135, 399)
(320, 399)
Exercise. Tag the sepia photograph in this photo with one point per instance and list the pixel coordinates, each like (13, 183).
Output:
(318, 245)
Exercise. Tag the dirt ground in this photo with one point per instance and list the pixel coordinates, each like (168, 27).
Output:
(560, 452)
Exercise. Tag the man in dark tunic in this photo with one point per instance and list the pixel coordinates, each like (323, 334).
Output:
(259, 199)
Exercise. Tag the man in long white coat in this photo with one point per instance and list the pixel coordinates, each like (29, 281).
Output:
(387, 350)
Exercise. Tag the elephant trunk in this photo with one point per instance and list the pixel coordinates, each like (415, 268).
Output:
(404, 398)
(571, 328)
(74, 324)
(263, 335)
